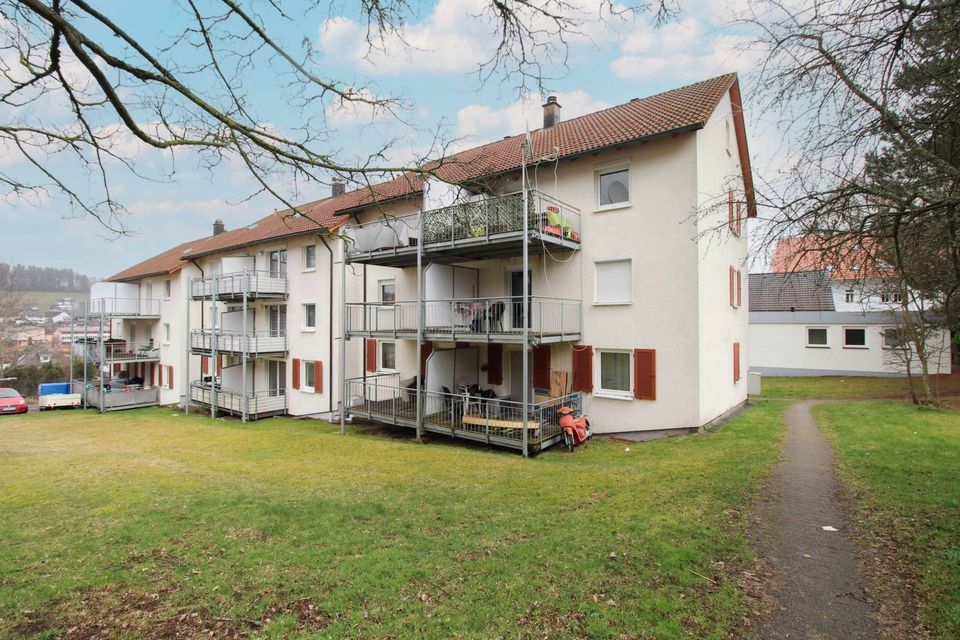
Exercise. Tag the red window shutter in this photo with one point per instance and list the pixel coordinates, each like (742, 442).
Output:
(582, 369)
(371, 354)
(730, 209)
(116, 369)
(219, 364)
(317, 376)
(736, 361)
(645, 374)
(204, 365)
(739, 288)
(739, 220)
(169, 376)
(153, 375)
(541, 366)
(495, 364)
(296, 373)
(425, 350)
(731, 277)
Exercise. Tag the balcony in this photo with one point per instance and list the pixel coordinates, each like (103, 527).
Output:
(118, 399)
(123, 308)
(234, 286)
(488, 228)
(252, 343)
(258, 404)
(119, 351)
(492, 421)
(469, 320)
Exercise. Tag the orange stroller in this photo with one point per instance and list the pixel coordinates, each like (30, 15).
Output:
(576, 429)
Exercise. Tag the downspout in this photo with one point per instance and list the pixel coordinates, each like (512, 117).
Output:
(323, 239)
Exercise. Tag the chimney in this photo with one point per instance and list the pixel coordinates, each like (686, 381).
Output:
(218, 227)
(551, 112)
(337, 187)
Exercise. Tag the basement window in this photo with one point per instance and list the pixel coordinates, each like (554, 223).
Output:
(616, 373)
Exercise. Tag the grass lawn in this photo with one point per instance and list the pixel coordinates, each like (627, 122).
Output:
(905, 462)
(44, 299)
(145, 524)
(859, 388)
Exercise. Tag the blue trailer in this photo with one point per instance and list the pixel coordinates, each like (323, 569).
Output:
(57, 395)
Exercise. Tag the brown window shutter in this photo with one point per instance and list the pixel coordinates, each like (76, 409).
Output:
(153, 375)
(541, 366)
(116, 369)
(219, 364)
(169, 376)
(582, 369)
(645, 374)
(739, 288)
(739, 220)
(730, 209)
(296, 373)
(204, 365)
(736, 361)
(732, 284)
(495, 364)
(318, 376)
(371, 354)
(425, 350)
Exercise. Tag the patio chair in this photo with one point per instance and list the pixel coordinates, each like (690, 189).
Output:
(495, 316)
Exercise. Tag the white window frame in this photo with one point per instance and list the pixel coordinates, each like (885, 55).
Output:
(303, 316)
(603, 170)
(166, 333)
(866, 338)
(380, 366)
(816, 346)
(849, 296)
(306, 267)
(305, 366)
(167, 289)
(883, 339)
(614, 394)
(380, 284)
(629, 289)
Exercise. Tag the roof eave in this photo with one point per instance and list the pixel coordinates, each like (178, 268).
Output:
(253, 243)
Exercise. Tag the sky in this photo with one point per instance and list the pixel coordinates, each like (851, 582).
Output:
(431, 68)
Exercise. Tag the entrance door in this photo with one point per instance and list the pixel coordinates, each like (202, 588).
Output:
(277, 374)
(278, 320)
(278, 263)
(516, 296)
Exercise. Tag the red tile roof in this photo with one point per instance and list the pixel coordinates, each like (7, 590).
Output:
(684, 109)
(163, 264)
(845, 259)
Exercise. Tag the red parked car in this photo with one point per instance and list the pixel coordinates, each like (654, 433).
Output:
(12, 402)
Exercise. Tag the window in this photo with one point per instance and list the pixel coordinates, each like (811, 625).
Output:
(309, 316)
(308, 377)
(726, 132)
(848, 295)
(310, 257)
(278, 263)
(614, 281)
(616, 374)
(166, 333)
(892, 338)
(817, 337)
(166, 289)
(388, 291)
(149, 294)
(855, 337)
(613, 188)
(890, 296)
(388, 356)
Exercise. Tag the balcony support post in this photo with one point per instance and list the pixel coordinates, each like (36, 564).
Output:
(244, 345)
(526, 312)
(86, 350)
(420, 324)
(344, 385)
(103, 354)
(187, 341)
(213, 346)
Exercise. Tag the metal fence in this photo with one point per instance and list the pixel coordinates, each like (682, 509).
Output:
(479, 220)
(256, 403)
(116, 399)
(492, 420)
(253, 343)
(233, 285)
(493, 318)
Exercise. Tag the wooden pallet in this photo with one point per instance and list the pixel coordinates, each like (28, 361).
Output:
(482, 421)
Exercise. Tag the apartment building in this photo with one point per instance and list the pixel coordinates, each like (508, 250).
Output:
(594, 263)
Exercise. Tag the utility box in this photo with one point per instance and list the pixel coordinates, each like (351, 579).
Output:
(753, 383)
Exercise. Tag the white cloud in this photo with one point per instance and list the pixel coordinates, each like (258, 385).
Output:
(478, 122)
(367, 108)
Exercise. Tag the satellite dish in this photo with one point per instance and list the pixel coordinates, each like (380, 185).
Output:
(617, 192)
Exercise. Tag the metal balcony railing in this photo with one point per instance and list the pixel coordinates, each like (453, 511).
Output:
(253, 343)
(234, 285)
(124, 307)
(120, 351)
(116, 399)
(486, 220)
(490, 319)
(255, 403)
(491, 420)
